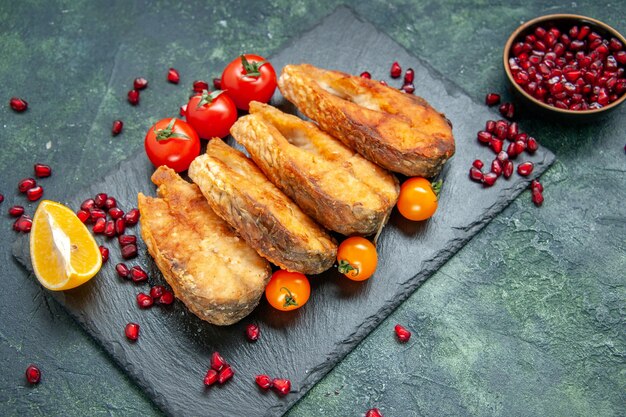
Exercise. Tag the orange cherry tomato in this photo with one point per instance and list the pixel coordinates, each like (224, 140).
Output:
(418, 198)
(357, 258)
(287, 290)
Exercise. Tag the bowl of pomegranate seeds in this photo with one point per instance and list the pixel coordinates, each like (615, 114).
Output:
(567, 66)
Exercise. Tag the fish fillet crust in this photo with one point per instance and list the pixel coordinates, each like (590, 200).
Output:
(398, 131)
(263, 216)
(210, 268)
(331, 183)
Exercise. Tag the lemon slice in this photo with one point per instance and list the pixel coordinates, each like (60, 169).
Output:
(63, 251)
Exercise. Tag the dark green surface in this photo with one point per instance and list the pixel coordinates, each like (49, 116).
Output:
(527, 319)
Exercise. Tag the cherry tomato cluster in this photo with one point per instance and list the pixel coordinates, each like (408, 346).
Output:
(209, 114)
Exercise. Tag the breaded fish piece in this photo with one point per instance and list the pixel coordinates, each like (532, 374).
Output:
(211, 269)
(398, 131)
(263, 216)
(331, 183)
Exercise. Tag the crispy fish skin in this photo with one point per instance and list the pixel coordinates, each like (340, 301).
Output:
(398, 131)
(212, 270)
(263, 216)
(331, 183)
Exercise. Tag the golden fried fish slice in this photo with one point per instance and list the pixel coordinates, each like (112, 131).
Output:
(336, 186)
(262, 215)
(398, 131)
(211, 269)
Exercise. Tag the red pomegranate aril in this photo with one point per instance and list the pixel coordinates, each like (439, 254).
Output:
(199, 86)
(33, 375)
(88, 204)
(402, 333)
(373, 412)
(182, 110)
(620, 57)
(140, 83)
(225, 374)
(615, 44)
(1, 198)
(167, 298)
(525, 168)
(217, 83)
(409, 76)
(23, 224)
(173, 76)
(536, 185)
(366, 74)
(476, 174)
(132, 331)
(34, 193)
(42, 170)
(109, 228)
(507, 169)
(99, 226)
(116, 213)
(137, 274)
(100, 199)
(110, 203)
(519, 147)
(490, 126)
(507, 110)
(537, 197)
(496, 145)
(210, 378)
(492, 99)
(97, 213)
(104, 251)
(127, 240)
(502, 157)
(16, 211)
(396, 70)
(263, 381)
(496, 167)
(478, 164)
(252, 332)
(129, 251)
(144, 300)
(26, 184)
(157, 291)
(408, 88)
(120, 226)
(132, 217)
(217, 361)
(122, 270)
(501, 129)
(540, 32)
(484, 136)
(133, 97)
(281, 386)
(512, 131)
(511, 151)
(17, 104)
(489, 179)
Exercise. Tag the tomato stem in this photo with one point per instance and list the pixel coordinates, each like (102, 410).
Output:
(345, 267)
(436, 185)
(251, 69)
(290, 300)
(207, 98)
(168, 132)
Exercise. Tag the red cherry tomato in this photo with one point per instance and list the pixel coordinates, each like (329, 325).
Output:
(172, 142)
(249, 77)
(287, 290)
(211, 114)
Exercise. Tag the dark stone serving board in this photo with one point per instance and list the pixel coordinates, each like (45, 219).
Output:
(172, 355)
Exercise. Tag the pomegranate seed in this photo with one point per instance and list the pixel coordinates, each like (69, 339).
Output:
(492, 99)
(409, 76)
(512, 131)
(263, 381)
(366, 74)
(105, 253)
(16, 211)
(537, 197)
(1, 198)
(99, 226)
(127, 240)
(132, 217)
(507, 170)
(122, 270)
(17, 104)
(129, 251)
(525, 169)
(133, 97)
(23, 224)
(408, 88)
(42, 170)
(199, 86)
(496, 167)
(478, 164)
(116, 213)
(281, 386)
(26, 184)
(167, 298)
(210, 378)
(496, 145)
(217, 83)
(252, 332)
(120, 226)
(117, 127)
(144, 300)
(490, 126)
(182, 110)
(476, 174)
(501, 129)
(34, 193)
(110, 203)
(157, 291)
(225, 374)
(507, 110)
(87, 205)
(217, 362)
(137, 274)
(132, 331)
(536, 185)
(109, 228)
(502, 157)
(511, 150)
(519, 147)
(484, 137)
(140, 83)
(97, 214)
(373, 412)
(532, 145)
(402, 333)
(173, 76)
(396, 70)
(33, 374)
(100, 200)
(489, 179)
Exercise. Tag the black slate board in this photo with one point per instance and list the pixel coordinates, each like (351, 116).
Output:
(172, 355)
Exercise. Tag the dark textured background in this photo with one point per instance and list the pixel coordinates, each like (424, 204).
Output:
(528, 319)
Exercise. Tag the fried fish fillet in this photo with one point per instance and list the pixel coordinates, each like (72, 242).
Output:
(331, 183)
(398, 131)
(262, 215)
(211, 269)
